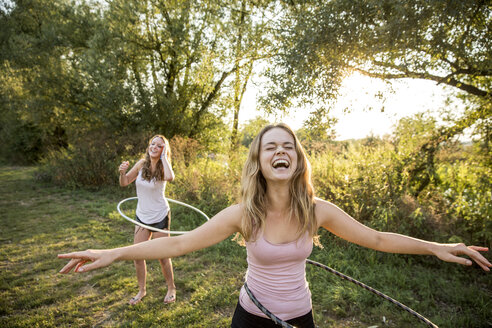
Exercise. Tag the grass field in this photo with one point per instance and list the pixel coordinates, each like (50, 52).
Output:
(39, 221)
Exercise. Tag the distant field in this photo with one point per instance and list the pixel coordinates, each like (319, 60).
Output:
(39, 221)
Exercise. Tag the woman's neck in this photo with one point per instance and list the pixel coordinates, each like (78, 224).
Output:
(153, 163)
(278, 197)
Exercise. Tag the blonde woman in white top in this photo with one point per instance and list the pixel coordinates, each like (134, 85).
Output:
(150, 175)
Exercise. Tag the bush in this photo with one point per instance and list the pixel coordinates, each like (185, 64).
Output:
(363, 179)
(366, 178)
(466, 192)
(92, 160)
(210, 183)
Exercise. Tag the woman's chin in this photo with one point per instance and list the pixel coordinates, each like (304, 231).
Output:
(281, 177)
(154, 156)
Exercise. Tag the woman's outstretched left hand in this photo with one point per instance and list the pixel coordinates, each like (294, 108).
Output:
(450, 252)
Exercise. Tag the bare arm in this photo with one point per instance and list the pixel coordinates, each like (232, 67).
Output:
(343, 225)
(217, 229)
(127, 178)
(168, 170)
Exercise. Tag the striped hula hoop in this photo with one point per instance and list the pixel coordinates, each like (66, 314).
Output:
(156, 229)
(284, 324)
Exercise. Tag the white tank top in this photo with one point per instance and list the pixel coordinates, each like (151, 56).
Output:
(152, 206)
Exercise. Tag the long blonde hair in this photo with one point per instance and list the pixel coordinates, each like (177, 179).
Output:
(254, 187)
(158, 173)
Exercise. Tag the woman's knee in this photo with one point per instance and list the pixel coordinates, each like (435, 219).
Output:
(139, 262)
(165, 262)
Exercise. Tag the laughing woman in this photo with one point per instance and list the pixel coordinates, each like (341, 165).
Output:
(150, 175)
(278, 218)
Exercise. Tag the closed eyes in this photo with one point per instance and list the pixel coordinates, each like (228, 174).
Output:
(271, 147)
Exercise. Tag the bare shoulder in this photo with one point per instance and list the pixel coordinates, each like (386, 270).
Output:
(218, 228)
(233, 213)
(324, 211)
(138, 165)
(323, 205)
(223, 224)
(236, 208)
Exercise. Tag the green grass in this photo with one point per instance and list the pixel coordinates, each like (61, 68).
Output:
(39, 221)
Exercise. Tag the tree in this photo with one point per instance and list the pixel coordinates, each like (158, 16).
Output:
(447, 42)
(317, 130)
(34, 38)
(149, 66)
(444, 41)
(252, 44)
(251, 129)
(414, 158)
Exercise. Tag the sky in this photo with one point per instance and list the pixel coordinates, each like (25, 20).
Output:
(358, 93)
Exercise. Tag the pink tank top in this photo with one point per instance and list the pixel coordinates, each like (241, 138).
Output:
(276, 276)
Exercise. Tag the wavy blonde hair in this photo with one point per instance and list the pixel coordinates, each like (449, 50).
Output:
(158, 173)
(254, 187)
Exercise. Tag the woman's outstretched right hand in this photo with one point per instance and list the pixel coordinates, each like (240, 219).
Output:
(95, 258)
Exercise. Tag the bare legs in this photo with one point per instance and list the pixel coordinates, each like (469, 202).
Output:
(167, 271)
(142, 235)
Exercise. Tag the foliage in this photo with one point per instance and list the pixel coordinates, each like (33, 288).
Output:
(465, 188)
(362, 180)
(415, 167)
(372, 179)
(209, 182)
(443, 41)
(72, 67)
(30, 46)
(92, 160)
(251, 128)
(185, 151)
(252, 44)
(317, 130)
(83, 84)
(447, 42)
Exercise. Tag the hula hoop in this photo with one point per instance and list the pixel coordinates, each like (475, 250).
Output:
(284, 324)
(156, 229)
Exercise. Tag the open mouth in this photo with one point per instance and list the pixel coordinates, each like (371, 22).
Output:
(280, 163)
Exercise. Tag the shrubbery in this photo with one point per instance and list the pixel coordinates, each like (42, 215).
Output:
(92, 160)
(363, 179)
(366, 178)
